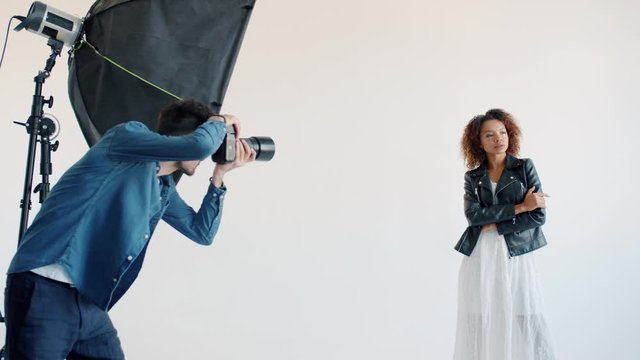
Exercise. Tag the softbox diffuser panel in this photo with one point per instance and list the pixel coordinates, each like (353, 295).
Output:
(185, 47)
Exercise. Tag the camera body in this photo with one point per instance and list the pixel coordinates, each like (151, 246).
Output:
(264, 147)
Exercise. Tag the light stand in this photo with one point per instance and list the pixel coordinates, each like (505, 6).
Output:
(43, 127)
(39, 126)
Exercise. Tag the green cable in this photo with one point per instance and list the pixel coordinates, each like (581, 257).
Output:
(126, 70)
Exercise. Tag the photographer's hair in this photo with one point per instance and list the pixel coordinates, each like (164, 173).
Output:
(182, 117)
(470, 144)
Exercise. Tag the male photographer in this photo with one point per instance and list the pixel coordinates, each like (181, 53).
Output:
(86, 246)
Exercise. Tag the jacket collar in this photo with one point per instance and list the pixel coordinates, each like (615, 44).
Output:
(513, 161)
(481, 170)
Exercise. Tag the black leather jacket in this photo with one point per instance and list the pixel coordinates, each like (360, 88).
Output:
(523, 232)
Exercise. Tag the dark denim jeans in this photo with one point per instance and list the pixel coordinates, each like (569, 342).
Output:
(47, 319)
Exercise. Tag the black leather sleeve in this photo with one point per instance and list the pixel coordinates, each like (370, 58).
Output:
(478, 215)
(527, 220)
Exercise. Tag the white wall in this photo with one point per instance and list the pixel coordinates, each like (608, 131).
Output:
(341, 247)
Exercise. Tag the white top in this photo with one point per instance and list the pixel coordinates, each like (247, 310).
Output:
(54, 272)
(494, 185)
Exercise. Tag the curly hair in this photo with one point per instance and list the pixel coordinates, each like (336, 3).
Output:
(182, 117)
(470, 144)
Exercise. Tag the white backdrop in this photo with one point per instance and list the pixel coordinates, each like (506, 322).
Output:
(341, 247)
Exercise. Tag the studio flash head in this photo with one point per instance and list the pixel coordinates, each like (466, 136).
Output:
(51, 23)
(264, 147)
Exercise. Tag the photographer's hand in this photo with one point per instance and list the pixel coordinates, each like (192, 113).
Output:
(229, 120)
(244, 154)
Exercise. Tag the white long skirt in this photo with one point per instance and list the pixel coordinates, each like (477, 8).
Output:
(500, 305)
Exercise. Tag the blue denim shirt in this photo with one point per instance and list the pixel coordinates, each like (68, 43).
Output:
(97, 220)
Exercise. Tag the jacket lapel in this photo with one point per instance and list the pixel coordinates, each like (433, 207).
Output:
(508, 175)
(481, 176)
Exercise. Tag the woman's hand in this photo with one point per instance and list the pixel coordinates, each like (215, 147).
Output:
(489, 227)
(532, 201)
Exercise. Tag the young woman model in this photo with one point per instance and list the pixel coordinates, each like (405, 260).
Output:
(499, 299)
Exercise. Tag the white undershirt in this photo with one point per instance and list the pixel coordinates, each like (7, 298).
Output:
(54, 272)
(494, 185)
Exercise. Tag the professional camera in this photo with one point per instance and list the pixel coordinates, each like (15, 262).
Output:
(264, 146)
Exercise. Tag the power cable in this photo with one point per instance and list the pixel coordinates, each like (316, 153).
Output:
(6, 38)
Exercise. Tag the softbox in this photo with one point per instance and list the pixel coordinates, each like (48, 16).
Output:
(136, 56)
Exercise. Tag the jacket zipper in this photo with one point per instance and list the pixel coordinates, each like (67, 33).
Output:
(504, 187)
(467, 235)
(514, 219)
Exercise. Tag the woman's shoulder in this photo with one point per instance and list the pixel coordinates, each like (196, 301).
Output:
(513, 161)
(478, 171)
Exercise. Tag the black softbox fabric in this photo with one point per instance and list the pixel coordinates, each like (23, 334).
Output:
(185, 47)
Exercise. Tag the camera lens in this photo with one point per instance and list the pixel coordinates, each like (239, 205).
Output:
(264, 147)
